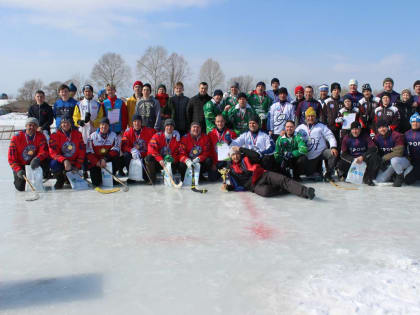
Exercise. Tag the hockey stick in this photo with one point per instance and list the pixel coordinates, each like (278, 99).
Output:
(171, 178)
(35, 195)
(125, 187)
(341, 187)
(100, 190)
(193, 188)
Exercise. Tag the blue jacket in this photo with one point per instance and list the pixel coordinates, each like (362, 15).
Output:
(62, 108)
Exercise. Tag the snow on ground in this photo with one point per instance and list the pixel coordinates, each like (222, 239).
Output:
(156, 250)
(14, 119)
(6, 102)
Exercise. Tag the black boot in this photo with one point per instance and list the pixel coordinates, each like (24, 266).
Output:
(398, 180)
(310, 193)
(60, 180)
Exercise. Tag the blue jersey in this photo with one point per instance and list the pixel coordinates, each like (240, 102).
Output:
(355, 98)
(387, 143)
(356, 146)
(63, 108)
(412, 138)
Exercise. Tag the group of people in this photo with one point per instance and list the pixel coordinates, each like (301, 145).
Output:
(272, 140)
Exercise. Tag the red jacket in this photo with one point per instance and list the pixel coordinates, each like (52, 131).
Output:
(216, 137)
(22, 149)
(130, 138)
(192, 148)
(70, 148)
(158, 147)
(163, 101)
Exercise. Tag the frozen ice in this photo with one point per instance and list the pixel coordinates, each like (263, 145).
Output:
(157, 250)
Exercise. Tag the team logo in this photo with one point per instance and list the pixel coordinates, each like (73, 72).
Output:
(195, 151)
(142, 145)
(279, 119)
(312, 144)
(303, 133)
(68, 148)
(29, 152)
(379, 114)
(166, 150)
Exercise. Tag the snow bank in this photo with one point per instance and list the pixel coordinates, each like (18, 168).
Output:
(14, 119)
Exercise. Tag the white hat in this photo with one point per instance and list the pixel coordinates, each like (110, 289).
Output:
(353, 81)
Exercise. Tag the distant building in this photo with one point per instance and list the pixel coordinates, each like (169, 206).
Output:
(4, 96)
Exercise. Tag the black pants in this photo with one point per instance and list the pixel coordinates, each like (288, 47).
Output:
(372, 165)
(294, 164)
(273, 184)
(153, 166)
(205, 166)
(414, 174)
(309, 167)
(95, 172)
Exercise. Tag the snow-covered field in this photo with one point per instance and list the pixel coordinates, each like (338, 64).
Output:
(156, 250)
(14, 119)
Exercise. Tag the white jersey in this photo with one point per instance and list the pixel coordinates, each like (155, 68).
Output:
(316, 138)
(98, 144)
(278, 115)
(261, 143)
(92, 107)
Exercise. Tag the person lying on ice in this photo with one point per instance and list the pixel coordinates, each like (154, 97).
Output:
(245, 176)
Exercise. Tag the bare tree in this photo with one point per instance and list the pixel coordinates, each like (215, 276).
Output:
(246, 82)
(111, 69)
(79, 80)
(27, 92)
(152, 65)
(177, 69)
(51, 92)
(211, 73)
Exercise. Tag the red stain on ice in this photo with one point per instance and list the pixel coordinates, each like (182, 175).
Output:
(260, 230)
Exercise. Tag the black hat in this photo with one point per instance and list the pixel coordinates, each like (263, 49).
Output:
(283, 90)
(347, 97)
(335, 85)
(261, 83)
(169, 121)
(355, 124)
(386, 94)
(162, 86)
(218, 92)
(235, 85)
(242, 94)
(148, 85)
(275, 80)
(417, 82)
(366, 87)
(381, 123)
(137, 117)
(105, 120)
(254, 118)
(66, 118)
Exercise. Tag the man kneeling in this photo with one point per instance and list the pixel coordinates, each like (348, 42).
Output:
(244, 176)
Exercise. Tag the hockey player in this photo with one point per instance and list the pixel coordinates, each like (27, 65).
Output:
(67, 151)
(135, 141)
(299, 92)
(43, 112)
(343, 112)
(132, 101)
(148, 108)
(387, 112)
(260, 102)
(28, 147)
(354, 94)
(359, 147)
(232, 97)
(64, 106)
(245, 175)
(115, 110)
(103, 146)
(258, 142)
(367, 106)
(214, 107)
(303, 106)
(316, 136)
(240, 114)
(412, 138)
(406, 110)
(195, 105)
(391, 146)
(330, 111)
(323, 94)
(163, 147)
(289, 149)
(388, 85)
(279, 113)
(196, 148)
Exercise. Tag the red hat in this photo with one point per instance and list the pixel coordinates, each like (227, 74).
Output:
(298, 88)
(137, 83)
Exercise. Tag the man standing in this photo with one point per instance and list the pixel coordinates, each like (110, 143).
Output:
(299, 92)
(28, 147)
(232, 99)
(323, 94)
(303, 106)
(367, 106)
(195, 106)
(416, 87)
(72, 91)
(388, 85)
(354, 94)
(240, 114)
(115, 110)
(331, 109)
(274, 93)
(132, 101)
(42, 112)
(279, 113)
(177, 106)
(148, 108)
(64, 106)
(387, 112)
(214, 107)
(260, 102)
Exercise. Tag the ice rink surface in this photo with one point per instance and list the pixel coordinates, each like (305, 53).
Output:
(156, 250)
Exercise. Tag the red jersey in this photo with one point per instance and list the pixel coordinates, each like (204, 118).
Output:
(217, 137)
(101, 146)
(23, 149)
(71, 148)
(159, 147)
(141, 139)
(192, 148)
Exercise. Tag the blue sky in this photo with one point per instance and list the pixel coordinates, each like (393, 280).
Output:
(299, 42)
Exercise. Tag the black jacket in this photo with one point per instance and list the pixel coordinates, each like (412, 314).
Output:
(43, 113)
(195, 110)
(177, 105)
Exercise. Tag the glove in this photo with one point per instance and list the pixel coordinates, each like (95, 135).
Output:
(35, 163)
(168, 158)
(67, 165)
(384, 165)
(339, 120)
(87, 117)
(196, 160)
(20, 174)
(81, 123)
(189, 163)
(262, 116)
(288, 156)
(228, 138)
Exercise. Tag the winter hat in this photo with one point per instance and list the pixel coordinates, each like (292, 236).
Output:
(261, 83)
(275, 80)
(366, 87)
(254, 118)
(137, 83)
(104, 121)
(355, 124)
(388, 80)
(162, 86)
(299, 88)
(32, 120)
(283, 90)
(353, 81)
(137, 117)
(386, 94)
(323, 87)
(169, 121)
(148, 85)
(65, 118)
(235, 85)
(218, 92)
(242, 94)
(347, 97)
(195, 123)
(101, 92)
(381, 123)
(406, 91)
(72, 87)
(417, 82)
(415, 118)
(310, 112)
(87, 86)
(234, 150)
(335, 85)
